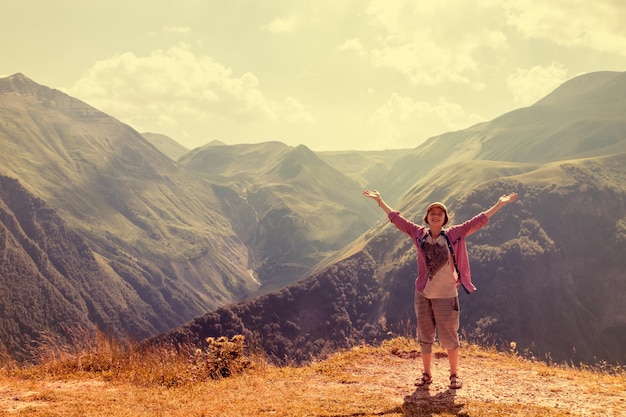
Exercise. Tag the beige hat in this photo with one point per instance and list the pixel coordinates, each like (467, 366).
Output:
(441, 206)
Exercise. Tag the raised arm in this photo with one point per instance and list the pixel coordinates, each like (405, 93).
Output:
(502, 201)
(375, 195)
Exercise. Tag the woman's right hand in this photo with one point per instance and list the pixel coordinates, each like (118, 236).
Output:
(375, 195)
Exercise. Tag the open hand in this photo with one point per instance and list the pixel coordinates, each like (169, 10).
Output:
(506, 199)
(372, 194)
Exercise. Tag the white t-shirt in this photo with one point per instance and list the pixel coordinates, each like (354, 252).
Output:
(441, 274)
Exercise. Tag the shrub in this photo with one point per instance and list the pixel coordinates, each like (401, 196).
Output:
(223, 357)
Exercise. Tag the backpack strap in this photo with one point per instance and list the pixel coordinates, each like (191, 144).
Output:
(454, 258)
(443, 232)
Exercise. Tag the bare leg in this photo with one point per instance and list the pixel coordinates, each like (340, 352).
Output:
(426, 378)
(453, 358)
(426, 361)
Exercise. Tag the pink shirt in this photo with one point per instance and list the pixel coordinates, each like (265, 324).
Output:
(456, 234)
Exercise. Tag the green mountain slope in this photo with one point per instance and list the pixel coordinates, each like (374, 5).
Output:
(582, 118)
(363, 166)
(549, 268)
(153, 224)
(289, 206)
(181, 238)
(141, 243)
(555, 285)
(168, 146)
(51, 283)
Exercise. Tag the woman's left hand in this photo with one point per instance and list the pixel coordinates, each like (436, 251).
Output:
(506, 199)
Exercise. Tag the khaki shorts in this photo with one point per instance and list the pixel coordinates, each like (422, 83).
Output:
(437, 317)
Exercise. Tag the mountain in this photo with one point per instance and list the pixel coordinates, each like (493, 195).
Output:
(149, 222)
(168, 146)
(174, 239)
(365, 167)
(288, 205)
(53, 285)
(582, 118)
(549, 269)
(102, 227)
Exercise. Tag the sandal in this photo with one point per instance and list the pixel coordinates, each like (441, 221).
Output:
(455, 382)
(426, 379)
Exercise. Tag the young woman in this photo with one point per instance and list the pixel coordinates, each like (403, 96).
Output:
(442, 266)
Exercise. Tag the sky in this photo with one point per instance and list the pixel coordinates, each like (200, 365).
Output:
(328, 74)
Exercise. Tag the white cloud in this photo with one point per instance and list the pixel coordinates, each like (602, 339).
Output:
(352, 45)
(531, 85)
(432, 42)
(280, 25)
(597, 25)
(423, 61)
(404, 122)
(169, 86)
(176, 29)
(294, 112)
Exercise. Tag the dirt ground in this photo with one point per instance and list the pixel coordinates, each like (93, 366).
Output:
(486, 378)
(489, 380)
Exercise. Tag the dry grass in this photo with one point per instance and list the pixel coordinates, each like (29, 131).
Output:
(119, 380)
(108, 359)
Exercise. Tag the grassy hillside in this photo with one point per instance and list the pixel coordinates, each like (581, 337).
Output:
(107, 380)
(155, 226)
(168, 146)
(582, 118)
(287, 204)
(169, 241)
(51, 281)
(224, 223)
(532, 265)
(537, 263)
(149, 248)
(363, 166)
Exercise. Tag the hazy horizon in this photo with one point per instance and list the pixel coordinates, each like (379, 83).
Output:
(347, 75)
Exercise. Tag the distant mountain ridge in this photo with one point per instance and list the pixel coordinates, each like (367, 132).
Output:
(282, 190)
(277, 242)
(165, 233)
(548, 268)
(136, 210)
(166, 145)
(550, 130)
(601, 85)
